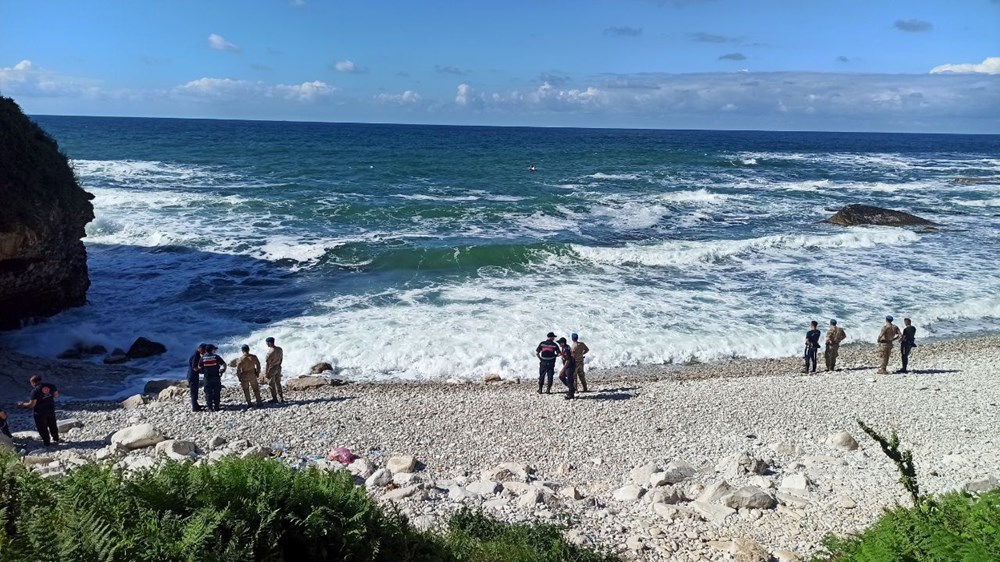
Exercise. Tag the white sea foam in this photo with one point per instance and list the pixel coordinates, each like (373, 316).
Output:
(702, 196)
(691, 253)
(615, 177)
(150, 173)
(995, 202)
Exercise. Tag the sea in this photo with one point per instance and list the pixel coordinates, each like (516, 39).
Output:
(410, 252)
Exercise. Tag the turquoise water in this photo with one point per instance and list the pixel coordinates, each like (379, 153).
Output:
(422, 252)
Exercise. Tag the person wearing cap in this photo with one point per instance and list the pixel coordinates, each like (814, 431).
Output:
(212, 366)
(907, 342)
(248, 371)
(194, 368)
(580, 349)
(547, 351)
(889, 334)
(834, 336)
(812, 346)
(272, 370)
(567, 375)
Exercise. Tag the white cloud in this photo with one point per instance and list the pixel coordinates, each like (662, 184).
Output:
(25, 79)
(219, 43)
(347, 66)
(990, 65)
(463, 94)
(227, 89)
(409, 97)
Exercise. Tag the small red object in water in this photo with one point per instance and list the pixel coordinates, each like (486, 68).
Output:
(343, 455)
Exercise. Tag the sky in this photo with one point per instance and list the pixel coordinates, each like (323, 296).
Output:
(839, 65)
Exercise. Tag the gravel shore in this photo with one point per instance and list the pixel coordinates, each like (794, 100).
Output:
(637, 463)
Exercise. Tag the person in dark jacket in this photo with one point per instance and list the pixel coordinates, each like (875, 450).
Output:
(212, 366)
(547, 352)
(907, 342)
(43, 405)
(812, 346)
(194, 367)
(568, 373)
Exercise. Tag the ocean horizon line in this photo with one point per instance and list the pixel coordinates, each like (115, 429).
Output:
(514, 126)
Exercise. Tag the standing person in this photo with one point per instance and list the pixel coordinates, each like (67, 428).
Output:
(547, 351)
(580, 349)
(212, 366)
(248, 371)
(834, 336)
(568, 373)
(889, 334)
(194, 367)
(812, 346)
(907, 343)
(272, 370)
(43, 405)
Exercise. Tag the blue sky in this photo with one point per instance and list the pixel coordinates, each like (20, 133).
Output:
(919, 65)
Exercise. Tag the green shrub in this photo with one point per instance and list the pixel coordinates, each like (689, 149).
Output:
(955, 527)
(239, 510)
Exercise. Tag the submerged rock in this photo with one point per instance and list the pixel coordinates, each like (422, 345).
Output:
(854, 215)
(143, 347)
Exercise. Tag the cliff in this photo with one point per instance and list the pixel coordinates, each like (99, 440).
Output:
(43, 212)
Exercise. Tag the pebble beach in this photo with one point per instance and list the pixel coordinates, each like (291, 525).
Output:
(709, 461)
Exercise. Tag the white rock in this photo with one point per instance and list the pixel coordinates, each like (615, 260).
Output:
(712, 512)
(843, 441)
(634, 543)
(846, 502)
(67, 424)
(981, 486)
(530, 499)
(403, 479)
(795, 484)
(400, 493)
(425, 522)
(134, 401)
(785, 449)
(176, 449)
(485, 487)
(361, 468)
(459, 493)
(678, 471)
(641, 474)
(137, 436)
(507, 471)
(216, 442)
(379, 478)
(629, 493)
(575, 537)
(738, 465)
(133, 463)
(258, 451)
(570, 492)
(33, 459)
(518, 488)
(658, 479)
(714, 492)
(404, 463)
(743, 550)
(785, 556)
(171, 393)
(750, 497)
(669, 495)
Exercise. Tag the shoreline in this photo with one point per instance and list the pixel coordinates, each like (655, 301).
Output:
(582, 458)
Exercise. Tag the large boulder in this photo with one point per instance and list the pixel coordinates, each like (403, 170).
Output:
(135, 401)
(855, 215)
(321, 368)
(137, 436)
(177, 449)
(143, 347)
(43, 263)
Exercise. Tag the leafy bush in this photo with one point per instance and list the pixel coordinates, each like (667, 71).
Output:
(955, 527)
(238, 510)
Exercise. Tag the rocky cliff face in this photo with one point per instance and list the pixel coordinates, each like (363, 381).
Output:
(43, 212)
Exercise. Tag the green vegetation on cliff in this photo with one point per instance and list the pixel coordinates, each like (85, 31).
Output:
(239, 510)
(34, 174)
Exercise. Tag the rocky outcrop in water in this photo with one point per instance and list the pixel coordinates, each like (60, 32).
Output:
(43, 263)
(855, 215)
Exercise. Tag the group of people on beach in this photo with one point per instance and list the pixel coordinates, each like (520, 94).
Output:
(572, 363)
(889, 334)
(206, 363)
